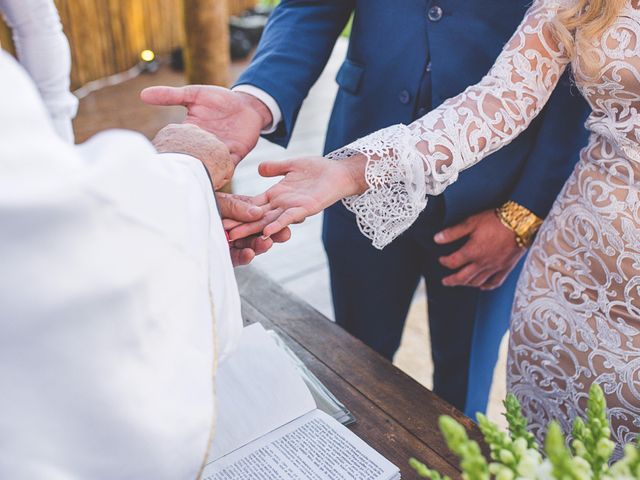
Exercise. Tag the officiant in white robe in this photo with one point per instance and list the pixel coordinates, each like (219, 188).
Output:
(117, 301)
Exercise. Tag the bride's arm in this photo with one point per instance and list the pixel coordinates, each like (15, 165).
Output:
(400, 165)
(407, 163)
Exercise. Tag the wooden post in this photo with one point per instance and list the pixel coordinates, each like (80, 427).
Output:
(207, 56)
(5, 37)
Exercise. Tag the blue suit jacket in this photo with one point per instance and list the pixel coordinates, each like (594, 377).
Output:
(406, 57)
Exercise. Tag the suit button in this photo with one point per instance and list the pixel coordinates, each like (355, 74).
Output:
(404, 97)
(435, 13)
(422, 111)
(428, 69)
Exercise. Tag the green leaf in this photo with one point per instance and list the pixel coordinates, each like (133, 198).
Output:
(592, 440)
(517, 422)
(564, 465)
(473, 464)
(425, 472)
(628, 466)
(499, 443)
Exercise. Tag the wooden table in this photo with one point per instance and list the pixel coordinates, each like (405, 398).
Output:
(395, 414)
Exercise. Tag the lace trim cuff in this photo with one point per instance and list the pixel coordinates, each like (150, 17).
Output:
(395, 173)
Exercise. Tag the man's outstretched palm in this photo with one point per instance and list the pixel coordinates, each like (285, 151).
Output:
(234, 117)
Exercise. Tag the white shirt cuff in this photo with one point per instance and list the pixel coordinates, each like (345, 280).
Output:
(268, 100)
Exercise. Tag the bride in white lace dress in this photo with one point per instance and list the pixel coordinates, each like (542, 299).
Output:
(576, 317)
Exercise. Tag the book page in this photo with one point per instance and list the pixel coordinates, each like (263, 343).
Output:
(257, 390)
(313, 447)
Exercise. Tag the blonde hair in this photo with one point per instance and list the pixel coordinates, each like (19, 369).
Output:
(579, 25)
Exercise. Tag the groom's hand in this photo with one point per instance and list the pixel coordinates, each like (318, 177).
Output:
(487, 257)
(236, 118)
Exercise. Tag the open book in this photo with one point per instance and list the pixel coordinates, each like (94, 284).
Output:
(269, 427)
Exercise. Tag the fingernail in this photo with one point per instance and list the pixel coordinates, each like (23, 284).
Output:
(255, 211)
(439, 237)
(265, 237)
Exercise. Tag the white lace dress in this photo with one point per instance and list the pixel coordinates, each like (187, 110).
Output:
(576, 316)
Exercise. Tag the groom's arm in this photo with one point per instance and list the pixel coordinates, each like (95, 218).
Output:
(559, 139)
(293, 51)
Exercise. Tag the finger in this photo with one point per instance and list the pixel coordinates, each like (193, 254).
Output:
(246, 230)
(454, 233)
(282, 236)
(167, 96)
(463, 277)
(229, 224)
(495, 281)
(262, 200)
(235, 208)
(253, 228)
(241, 256)
(457, 259)
(261, 245)
(257, 200)
(290, 216)
(255, 243)
(274, 168)
(481, 278)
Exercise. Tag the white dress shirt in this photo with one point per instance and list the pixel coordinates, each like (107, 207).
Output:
(268, 100)
(43, 50)
(117, 295)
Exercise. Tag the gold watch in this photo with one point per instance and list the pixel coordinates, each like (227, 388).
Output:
(522, 221)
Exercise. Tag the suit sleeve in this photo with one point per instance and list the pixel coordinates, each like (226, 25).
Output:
(560, 137)
(293, 51)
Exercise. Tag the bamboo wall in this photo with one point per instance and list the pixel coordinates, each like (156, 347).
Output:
(236, 7)
(106, 36)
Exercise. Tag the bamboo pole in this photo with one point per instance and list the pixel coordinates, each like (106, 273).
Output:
(207, 56)
(107, 36)
(236, 7)
(5, 37)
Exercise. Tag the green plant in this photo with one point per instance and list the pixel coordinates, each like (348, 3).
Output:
(270, 3)
(515, 454)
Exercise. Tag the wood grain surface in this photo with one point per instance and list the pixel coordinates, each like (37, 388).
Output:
(395, 414)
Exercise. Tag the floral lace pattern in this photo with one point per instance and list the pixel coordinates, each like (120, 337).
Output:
(433, 150)
(576, 317)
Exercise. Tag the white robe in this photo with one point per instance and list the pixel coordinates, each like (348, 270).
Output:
(111, 259)
(43, 50)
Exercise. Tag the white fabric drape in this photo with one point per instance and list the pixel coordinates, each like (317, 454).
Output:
(111, 259)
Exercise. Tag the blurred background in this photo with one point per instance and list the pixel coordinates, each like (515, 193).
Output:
(120, 47)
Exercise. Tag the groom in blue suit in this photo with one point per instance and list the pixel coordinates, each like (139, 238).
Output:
(405, 58)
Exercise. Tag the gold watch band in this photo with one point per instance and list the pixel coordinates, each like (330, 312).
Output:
(522, 221)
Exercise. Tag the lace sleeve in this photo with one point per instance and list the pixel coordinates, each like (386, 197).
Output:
(407, 163)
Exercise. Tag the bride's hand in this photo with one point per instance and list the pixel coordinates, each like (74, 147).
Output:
(310, 185)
